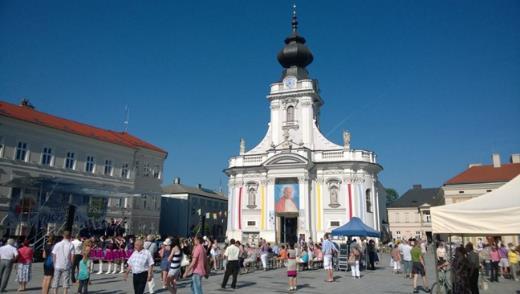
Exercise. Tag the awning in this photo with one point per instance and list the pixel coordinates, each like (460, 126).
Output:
(356, 228)
(65, 185)
(494, 213)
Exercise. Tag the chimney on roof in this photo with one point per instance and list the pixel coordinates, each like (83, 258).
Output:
(26, 103)
(496, 160)
(417, 186)
(199, 186)
(177, 180)
(515, 158)
(474, 164)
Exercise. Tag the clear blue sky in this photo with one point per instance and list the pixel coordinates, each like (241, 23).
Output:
(430, 86)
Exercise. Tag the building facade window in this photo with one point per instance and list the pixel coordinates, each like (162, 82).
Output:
(108, 167)
(1, 147)
(21, 151)
(156, 172)
(290, 114)
(70, 161)
(368, 199)
(47, 156)
(124, 171)
(398, 234)
(89, 165)
(146, 169)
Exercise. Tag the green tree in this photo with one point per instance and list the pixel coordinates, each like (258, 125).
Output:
(391, 195)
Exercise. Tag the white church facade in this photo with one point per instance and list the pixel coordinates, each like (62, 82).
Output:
(296, 183)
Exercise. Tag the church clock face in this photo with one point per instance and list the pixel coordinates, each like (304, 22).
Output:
(289, 82)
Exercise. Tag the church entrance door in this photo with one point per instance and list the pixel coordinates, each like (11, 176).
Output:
(288, 229)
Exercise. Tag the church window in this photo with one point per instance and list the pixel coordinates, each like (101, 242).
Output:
(334, 223)
(368, 200)
(290, 113)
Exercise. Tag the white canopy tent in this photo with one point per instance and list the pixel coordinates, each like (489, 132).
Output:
(494, 213)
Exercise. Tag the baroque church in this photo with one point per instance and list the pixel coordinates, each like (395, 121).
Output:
(296, 183)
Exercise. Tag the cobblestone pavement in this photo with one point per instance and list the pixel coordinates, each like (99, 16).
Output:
(275, 281)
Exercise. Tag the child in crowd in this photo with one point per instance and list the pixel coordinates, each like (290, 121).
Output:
(291, 267)
(84, 272)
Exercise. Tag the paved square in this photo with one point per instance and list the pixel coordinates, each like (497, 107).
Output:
(275, 281)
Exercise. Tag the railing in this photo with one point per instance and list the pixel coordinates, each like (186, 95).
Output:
(253, 158)
(332, 154)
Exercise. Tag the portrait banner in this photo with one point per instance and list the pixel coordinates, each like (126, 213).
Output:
(287, 196)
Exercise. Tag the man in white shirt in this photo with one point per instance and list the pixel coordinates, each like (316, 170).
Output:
(406, 250)
(232, 266)
(78, 246)
(8, 255)
(329, 249)
(141, 265)
(62, 255)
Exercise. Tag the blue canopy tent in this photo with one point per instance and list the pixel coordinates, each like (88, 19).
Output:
(356, 228)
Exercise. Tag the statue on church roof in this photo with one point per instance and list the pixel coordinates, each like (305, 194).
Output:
(242, 146)
(346, 140)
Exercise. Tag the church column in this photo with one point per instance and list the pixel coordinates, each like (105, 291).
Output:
(303, 220)
(231, 206)
(269, 233)
(319, 206)
(376, 205)
(275, 122)
(306, 121)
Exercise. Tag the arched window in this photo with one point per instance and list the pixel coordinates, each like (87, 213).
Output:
(368, 198)
(290, 113)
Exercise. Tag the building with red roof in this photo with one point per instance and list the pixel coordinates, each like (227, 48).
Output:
(478, 179)
(58, 173)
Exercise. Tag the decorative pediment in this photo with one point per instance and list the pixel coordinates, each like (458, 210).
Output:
(286, 160)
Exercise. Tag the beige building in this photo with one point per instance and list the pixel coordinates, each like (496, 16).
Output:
(57, 173)
(409, 215)
(479, 179)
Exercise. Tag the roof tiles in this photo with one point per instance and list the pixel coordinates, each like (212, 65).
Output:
(31, 115)
(486, 174)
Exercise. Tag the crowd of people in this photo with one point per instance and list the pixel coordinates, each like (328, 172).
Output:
(72, 261)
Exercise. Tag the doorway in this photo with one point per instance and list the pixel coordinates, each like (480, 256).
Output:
(288, 229)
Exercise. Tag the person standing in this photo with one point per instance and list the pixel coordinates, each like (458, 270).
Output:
(48, 265)
(151, 246)
(328, 251)
(292, 266)
(231, 254)
(460, 270)
(418, 268)
(264, 254)
(175, 260)
(84, 272)
(62, 255)
(198, 267)
(406, 250)
(140, 264)
(474, 267)
(164, 253)
(8, 255)
(77, 257)
(396, 258)
(372, 255)
(512, 256)
(25, 257)
(354, 258)
(495, 259)
(504, 262)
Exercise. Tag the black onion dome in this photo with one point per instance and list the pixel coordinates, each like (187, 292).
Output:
(295, 53)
